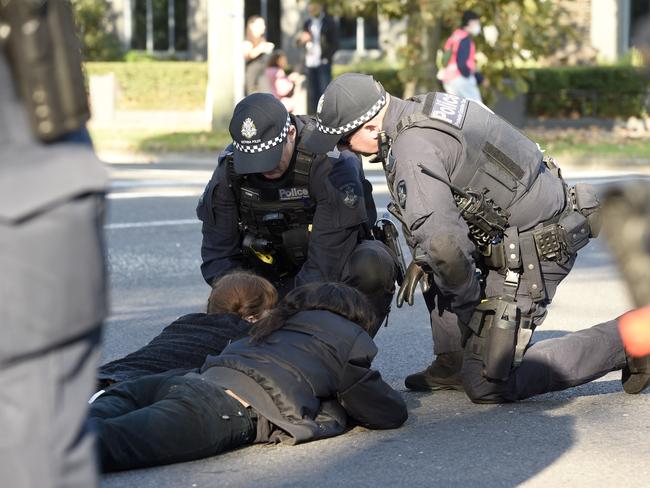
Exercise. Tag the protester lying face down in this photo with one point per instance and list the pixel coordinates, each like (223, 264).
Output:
(236, 300)
(304, 374)
(333, 297)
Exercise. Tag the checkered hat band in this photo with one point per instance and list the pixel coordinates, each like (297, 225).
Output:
(258, 148)
(344, 129)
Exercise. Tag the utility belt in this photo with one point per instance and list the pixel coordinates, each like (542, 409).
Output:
(555, 240)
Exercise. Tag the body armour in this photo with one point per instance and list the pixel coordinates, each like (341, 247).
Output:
(496, 157)
(275, 220)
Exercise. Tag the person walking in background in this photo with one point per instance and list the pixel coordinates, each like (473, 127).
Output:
(282, 86)
(459, 76)
(320, 37)
(256, 53)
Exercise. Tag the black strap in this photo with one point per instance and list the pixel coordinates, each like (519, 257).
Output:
(304, 159)
(531, 265)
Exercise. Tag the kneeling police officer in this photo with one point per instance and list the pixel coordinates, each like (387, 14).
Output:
(492, 227)
(291, 215)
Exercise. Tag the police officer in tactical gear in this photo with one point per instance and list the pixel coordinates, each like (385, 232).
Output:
(52, 299)
(289, 214)
(492, 227)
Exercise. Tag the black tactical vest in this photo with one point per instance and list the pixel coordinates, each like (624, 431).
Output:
(496, 156)
(280, 215)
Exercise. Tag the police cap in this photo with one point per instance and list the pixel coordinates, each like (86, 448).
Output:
(259, 127)
(349, 101)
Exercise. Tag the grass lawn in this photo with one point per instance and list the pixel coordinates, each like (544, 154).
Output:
(163, 141)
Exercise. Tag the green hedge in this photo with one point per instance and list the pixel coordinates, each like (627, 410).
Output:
(599, 91)
(156, 85)
(385, 74)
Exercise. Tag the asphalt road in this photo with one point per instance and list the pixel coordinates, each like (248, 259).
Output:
(594, 435)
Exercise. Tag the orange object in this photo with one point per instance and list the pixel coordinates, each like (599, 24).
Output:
(634, 327)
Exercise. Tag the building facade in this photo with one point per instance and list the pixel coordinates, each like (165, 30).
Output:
(605, 28)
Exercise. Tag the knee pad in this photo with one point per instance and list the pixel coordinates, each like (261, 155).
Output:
(372, 269)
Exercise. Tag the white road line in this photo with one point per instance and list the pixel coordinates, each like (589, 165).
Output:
(170, 223)
(152, 223)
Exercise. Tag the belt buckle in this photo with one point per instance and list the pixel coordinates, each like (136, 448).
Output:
(512, 278)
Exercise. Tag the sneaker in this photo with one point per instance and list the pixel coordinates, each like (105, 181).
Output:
(443, 374)
(636, 375)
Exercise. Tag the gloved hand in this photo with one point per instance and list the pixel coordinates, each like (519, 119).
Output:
(414, 274)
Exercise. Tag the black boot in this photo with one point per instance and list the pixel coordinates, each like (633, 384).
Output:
(443, 374)
(636, 375)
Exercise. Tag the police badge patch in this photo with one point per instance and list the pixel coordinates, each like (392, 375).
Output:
(248, 129)
(401, 194)
(350, 197)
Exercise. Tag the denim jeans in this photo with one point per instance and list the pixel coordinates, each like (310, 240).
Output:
(465, 88)
(318, 78)
(163, 419)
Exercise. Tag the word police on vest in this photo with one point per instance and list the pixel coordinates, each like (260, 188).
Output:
(293, 193)
(450, 109)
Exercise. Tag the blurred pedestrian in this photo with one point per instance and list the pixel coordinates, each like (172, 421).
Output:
(256, 53)
(52, 284)
(320, 37)
(459, 76)
(282, 86)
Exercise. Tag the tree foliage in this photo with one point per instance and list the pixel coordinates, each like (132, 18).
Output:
(526, 30)
(98, 39)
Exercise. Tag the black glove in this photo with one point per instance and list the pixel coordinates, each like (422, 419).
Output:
(414, 275)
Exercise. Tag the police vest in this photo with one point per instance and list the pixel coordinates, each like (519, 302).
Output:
(496, 157)
(282, 214)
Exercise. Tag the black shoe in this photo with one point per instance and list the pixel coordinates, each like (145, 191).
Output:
(443, 374)
(636, 375)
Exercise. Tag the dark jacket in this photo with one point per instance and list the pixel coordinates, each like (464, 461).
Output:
(309, 377)
(344, 210)
(184, 344)
(329, 36)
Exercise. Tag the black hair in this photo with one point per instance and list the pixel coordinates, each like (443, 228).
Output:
(337, 298)
(469, 15)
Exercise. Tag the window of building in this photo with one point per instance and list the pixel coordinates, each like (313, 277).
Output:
(639, 17)
(159, 25)
(360, 33)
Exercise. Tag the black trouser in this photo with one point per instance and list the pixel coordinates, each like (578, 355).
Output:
(163, 419)
(550, 365)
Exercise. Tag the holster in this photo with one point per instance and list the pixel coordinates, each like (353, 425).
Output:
(500, 335)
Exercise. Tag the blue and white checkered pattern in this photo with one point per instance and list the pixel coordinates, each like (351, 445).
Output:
(263, 146)
(344, 129)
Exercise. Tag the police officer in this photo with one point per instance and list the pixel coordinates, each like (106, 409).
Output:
(52, 299)
(486, 217)
(289, 214)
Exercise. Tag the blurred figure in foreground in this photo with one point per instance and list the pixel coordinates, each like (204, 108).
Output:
(459, 76)
(256, 54)
(627, 227)
(52, 284)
